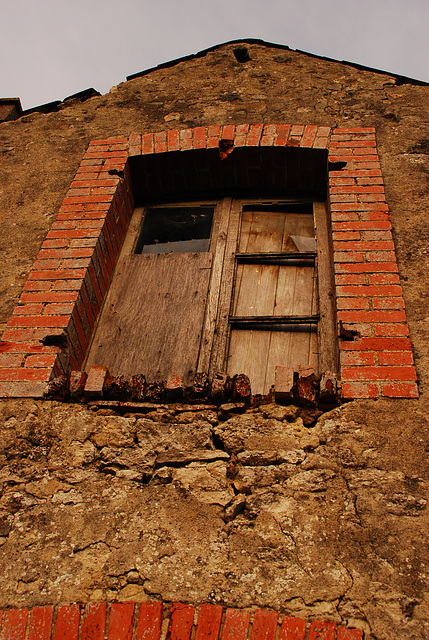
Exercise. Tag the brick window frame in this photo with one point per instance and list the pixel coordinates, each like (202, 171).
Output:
(67, 283)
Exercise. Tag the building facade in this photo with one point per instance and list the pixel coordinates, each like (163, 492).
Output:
(213, 358)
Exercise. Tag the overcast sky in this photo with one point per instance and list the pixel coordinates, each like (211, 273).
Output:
(53, 48)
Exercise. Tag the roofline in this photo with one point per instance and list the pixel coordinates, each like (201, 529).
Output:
(400, 79)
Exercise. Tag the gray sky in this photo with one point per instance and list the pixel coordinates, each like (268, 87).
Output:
(53, 48)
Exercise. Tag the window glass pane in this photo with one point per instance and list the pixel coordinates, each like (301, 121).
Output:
(176, 229)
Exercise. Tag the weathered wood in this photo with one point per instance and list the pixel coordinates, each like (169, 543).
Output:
(266, 291)
(221, 336)
(153, 315)
(328, 344)
(218, 246)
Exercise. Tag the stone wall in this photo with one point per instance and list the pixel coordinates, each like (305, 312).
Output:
(315, 516)
(258, 508)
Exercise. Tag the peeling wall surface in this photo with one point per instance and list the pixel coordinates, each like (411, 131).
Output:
(313, 515)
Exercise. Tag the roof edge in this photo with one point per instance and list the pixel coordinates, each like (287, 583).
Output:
(200, 54)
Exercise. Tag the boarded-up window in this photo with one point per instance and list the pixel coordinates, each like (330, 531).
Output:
(231, 286)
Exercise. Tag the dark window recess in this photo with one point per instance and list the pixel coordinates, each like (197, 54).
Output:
(242, 54)
(176, 229)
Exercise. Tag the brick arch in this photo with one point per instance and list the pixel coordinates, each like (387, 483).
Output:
(67, 283)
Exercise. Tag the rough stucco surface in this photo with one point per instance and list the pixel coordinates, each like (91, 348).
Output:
(257, 509)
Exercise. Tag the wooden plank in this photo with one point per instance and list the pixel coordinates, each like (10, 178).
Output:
(261, 232)
(150, 621)
(221, 337)
(248, 354)
(236, 624)
(121, 621)
(208, 623)
(153, 316)
(328, 344)
(255, 289)
(219, 242)
(181, 621)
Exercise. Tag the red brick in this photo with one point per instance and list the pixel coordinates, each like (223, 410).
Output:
(228, 132)
(400, 390)
(360, 206)
(383, 278)
(95, 382)
(37, 321)
(11, 360)
(254, 135)
(25, 375)
(208, 622)
(292, 629)
(363, 267)
(14, 624)
(352, 279)
(395, 357)
(380, 248)
(348, 256)
(121, 621)
(40, 623)
(284, 384)
(282, 134)
(359, 390)
(94, 621)
(340, 237)
(309, 135)
(147, 143)
(378, 373)
(43, 360)
(369, 228)
(28, 309)
(74, 233)
(199, 138)
(181, 620)
(264, 625)
(358, 358)
(66, 285)
(306, 386)
(236, 624)
(39, 285)
(369, 290)
(349, 634)
(388, 303)
(150, 621)
(353, 303)
(322, 630)
(17, 335)
(173, 140)
(372, 316)
(378, 344)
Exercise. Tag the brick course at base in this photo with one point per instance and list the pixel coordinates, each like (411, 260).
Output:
(154, 620)
(66, 287)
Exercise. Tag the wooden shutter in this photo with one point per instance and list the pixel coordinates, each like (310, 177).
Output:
(152, 318)
(275, 305)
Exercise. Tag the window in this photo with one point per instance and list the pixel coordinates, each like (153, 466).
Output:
(230, 285)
